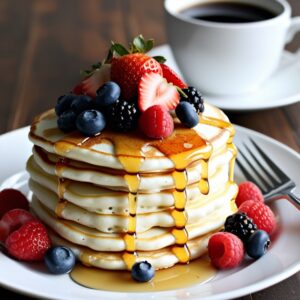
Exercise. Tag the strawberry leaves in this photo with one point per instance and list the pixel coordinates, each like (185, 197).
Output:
(138, 45)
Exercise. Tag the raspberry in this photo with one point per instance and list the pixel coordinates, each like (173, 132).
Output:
(248, 191)
(12, 221)
(261, 215)
(156, 122)
(10, 199)
(225, 250)
(29, 242)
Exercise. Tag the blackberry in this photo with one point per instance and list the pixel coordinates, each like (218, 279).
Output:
(194, 97)
(122, 115)
(240, 225)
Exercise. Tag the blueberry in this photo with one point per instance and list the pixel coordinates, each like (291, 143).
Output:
(67, 121)
(257, 244)
(63, 103)
(59, 260)
(81, 103)
(90, 122)
(142, 271)
(187, 114)
(107, 94)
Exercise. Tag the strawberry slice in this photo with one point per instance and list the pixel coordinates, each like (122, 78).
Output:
(154, 90)
(10, 199)
(172, 77)
(91, 84)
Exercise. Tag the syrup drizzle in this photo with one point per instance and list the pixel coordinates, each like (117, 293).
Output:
(175, 147)
(62, 185)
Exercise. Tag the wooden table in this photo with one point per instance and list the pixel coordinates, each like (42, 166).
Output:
(45, 43)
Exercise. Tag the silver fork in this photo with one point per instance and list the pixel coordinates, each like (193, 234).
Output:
(273, 187)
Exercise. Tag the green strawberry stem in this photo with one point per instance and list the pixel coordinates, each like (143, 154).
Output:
(181, 92)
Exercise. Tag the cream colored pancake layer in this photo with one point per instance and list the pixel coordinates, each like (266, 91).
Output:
(45, 134)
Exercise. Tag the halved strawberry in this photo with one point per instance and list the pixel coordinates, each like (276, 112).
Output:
(127, 71)
(154, 90)
(90, 84)
(172, 77)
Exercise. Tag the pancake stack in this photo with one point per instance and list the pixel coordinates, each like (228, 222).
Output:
(119, 198)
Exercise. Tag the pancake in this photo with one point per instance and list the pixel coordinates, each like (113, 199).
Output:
(119, 198)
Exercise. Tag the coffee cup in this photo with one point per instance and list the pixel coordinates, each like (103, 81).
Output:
(229, 58)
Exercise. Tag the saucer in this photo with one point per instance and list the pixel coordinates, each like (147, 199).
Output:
(281, 89)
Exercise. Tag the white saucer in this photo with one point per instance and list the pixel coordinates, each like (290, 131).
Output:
(283, 88)
(281, 261)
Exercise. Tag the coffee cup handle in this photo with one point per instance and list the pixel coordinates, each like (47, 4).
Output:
(293, 29)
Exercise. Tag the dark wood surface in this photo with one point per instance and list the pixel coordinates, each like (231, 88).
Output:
(45, 43)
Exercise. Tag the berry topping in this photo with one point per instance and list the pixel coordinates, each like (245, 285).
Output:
(257, 244)
(10, 199)
(156, 122)
(97, 77)
(123, 115)
(66, 121)
(81, 103)
(172, 77)
(107, 94)
(154, 90)
(64, 103)
(225, 250)
(59, 260)
(248, 191)
(194, 97)
(261, 214)
(187, 114)
(12, 221)
(142, 271)
(29, 242)
(90, 122)
(240, 225)
(127, 71)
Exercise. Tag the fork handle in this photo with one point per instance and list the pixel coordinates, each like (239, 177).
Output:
(290, 196)
(294, 200)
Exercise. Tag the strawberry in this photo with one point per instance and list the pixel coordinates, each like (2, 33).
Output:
(248, 191)
(154, 90)
(10, 199)
(260, 213)
(172, 77)
(127, 71)
(156, 122)
(89, 85)
(29, 242)
(225, 250)
(12, 220)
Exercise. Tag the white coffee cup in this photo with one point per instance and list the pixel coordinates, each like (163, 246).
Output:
(228, 58)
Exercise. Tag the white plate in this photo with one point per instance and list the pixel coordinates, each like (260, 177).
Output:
(281, 261)
(281, 89)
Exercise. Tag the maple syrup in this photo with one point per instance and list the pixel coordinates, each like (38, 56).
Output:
(179, 276)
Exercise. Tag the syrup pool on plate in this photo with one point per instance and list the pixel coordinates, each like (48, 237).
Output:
(179, 276)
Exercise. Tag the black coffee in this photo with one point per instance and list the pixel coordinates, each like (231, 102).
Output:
(228, 12)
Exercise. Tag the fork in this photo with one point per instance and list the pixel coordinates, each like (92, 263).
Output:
(276, 187)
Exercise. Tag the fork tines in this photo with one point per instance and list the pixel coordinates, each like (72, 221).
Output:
(257, 167)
